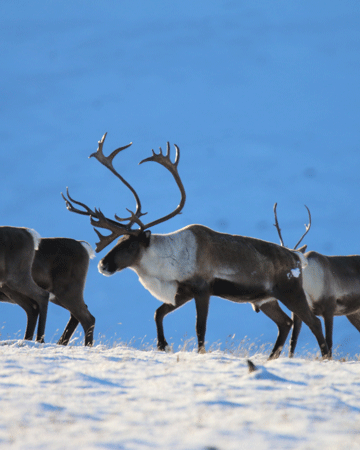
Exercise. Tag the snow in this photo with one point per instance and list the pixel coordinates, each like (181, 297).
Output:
(134, 399)
(122, 397)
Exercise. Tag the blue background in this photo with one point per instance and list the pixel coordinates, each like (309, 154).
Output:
(261, 97)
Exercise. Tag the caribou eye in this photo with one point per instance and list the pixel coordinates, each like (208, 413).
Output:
(134, 245)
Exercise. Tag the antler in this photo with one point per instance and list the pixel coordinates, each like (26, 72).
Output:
(117, 228)
(97, 218)
(277, 226)
(307, 227)
(107, 162)
(165, 161)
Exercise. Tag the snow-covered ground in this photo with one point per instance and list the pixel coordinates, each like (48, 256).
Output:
(118, 397)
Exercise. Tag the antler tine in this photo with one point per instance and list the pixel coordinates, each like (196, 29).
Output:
(133, 219)
(307, 228)
(117, 229)
(70, 207)
(165, 161)
(107, 161)
(104, 240)
(97, 219)
(278, 227)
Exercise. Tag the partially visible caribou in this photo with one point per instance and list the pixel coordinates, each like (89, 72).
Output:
(197, 262)
(332, 288)
(57, 266)
(272, 308)
(17, 251)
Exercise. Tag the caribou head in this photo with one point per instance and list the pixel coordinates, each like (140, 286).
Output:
(133, 233)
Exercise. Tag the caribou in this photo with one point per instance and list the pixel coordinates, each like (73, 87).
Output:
(17, 252)
(332, 288)
(58, 266)
(272, 308)
(195, 261)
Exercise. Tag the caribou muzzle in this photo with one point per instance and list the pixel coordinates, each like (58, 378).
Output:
(106, 268)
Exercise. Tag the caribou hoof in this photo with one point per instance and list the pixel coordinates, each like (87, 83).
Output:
(201, 350)
(163, 347)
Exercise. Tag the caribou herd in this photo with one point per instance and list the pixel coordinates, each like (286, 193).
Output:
(194, 262)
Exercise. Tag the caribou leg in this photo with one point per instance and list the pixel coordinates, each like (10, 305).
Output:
(329, 321)
(297, 322)
(29, 288)
(354, 319)
(69, 331)
(160, 313)
(30, 307)
(202, 300)
(296, 301)
(283, 322)
(74, 302)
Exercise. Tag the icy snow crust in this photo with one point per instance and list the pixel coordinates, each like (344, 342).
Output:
(54, 397)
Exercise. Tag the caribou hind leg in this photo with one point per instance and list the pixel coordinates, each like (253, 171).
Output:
(297, 322)
(295, 300)
(74, 302)
(30, 307)
(32, 311)
(354, 319)
(29, 288)
(69, 331)
(283, 322)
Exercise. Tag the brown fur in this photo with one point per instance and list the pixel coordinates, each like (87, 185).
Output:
(16, 283)
(333, 287)
(60, 267)
(236, 268)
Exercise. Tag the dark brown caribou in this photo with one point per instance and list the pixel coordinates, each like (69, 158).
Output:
(17, 252)
(195, 261)
(58, 266)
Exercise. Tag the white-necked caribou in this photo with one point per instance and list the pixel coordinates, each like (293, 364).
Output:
(332, 288)
(56, 265)
(195, 261)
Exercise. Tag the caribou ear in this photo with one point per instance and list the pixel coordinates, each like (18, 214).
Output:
(302, 249)
(146, 237)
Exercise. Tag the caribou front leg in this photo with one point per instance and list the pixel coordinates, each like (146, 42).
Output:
(202, 299)
(295, 334)
(160, 313)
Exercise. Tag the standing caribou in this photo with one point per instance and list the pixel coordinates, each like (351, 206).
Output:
(332, 288)
(272, 308)
(58, 266)
(195, 261)
(17, 252)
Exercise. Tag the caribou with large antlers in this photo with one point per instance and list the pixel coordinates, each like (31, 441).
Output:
(195, 261)
(332, 288)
